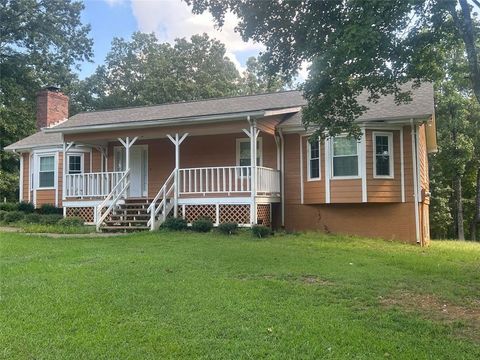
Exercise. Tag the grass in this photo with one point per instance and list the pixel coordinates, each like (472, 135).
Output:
(50, 228)
(185, 295)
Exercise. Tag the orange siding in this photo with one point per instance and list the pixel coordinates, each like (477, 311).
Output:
(96, 161)
(45, 197)
(292, 169)
(60, 179)
(313, 190)
(26, 176)
(346, 190)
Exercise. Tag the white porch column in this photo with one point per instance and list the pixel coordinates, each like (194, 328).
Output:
(253, 135)
(177, 141)
(127, 143)
(66, 147)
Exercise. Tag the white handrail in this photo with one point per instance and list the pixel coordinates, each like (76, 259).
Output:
(118, 194)
(268, 180)
(163, 194)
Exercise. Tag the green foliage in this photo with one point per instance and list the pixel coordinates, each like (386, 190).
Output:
(371, 46)
(261, 231)
(228, 228)
(71, 221)
(13, 216)
(176, 224)
(33, 218)
(49, 209)
(50, 219)
(56, 229)
(144, 71)
(202, 225)
(2, 214)
(41, 41)
(256, 79)
(26, 207)
(9, 206)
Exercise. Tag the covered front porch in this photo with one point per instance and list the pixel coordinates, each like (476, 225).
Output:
(222, 176)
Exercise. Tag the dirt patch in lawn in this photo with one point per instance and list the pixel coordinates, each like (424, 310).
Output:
(465, 320)
(303, 279)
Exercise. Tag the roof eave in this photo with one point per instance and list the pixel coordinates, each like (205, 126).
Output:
(154, 123)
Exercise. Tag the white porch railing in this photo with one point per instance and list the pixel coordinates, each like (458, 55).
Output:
(227, 179)
(268, 181)
(162, 203)
(98, 184)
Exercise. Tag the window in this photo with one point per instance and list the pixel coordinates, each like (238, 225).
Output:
(75, 164)
(345, 157)
(46, 173)
(383, 153)
(243, 152)
(313, 154)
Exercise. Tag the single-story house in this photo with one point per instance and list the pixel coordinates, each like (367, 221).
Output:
(243, 159)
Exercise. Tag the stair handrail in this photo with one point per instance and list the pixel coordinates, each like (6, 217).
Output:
(101, 217)
(162, 193)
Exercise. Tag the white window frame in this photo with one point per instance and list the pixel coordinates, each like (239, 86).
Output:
(55, 171)
(309, 178)
(259, 151)
(82, 162)
(359, 161)
(390, 152)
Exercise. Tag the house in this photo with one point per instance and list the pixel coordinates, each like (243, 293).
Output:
(130, 168)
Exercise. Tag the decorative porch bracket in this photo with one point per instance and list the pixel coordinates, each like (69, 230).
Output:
(177, 141)
(127, 143)
(253, 135)
(66, 147)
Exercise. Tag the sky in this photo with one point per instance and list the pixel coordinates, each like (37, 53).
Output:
(168, 19)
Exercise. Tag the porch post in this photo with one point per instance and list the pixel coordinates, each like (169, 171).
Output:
(253, 163)
(66, 147)
(177, 141)
(127, 143)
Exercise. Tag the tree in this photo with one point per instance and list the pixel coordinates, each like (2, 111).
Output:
(354, 45)
(144, 71)
(256, 79)
(40, 41)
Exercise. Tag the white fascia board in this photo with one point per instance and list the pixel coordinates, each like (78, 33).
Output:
(154, 123)
(283, 111)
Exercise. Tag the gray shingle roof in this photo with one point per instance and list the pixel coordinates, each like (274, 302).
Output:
(421, 106)
(36, 140)
(192, 109)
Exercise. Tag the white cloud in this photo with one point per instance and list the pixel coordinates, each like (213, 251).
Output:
(114, 2)
(171, 19)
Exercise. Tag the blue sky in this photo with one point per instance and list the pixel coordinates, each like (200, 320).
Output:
(168, 19)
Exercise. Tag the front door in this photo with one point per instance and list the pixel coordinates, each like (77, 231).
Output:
(138, 168)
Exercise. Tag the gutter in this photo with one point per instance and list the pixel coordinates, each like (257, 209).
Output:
(154, 123)
(415, 179)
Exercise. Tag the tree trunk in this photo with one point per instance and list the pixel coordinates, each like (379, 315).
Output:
(476, 218)
(457, 189)
(465, 27)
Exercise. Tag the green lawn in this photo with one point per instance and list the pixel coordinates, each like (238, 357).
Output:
(184, 295)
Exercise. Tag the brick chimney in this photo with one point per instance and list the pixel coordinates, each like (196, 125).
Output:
(52, 107)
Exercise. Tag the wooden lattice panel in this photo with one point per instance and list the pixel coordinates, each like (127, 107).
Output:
(263, 214)
(239, 214)
(86, 213)
(195, 212)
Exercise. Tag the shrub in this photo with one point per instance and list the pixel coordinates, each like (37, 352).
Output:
(32, 218)
(71, 221)
(2, 214)
(50, 219)
(202, 225)
(261, 231)
(13, 216)
(47, 209)
(26, 207)
(175, 224)
(228, 228)
(8, 206)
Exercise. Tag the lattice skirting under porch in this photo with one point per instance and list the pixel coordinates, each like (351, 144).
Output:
(86, 213)
(222, 213)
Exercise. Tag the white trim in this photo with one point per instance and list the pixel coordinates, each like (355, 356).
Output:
(391, 154)
(328, 170)
(415, 182)
(142, 146)
(20, 180)
(282, 175)
(55, 171)
(301, 168)
(247, 140)
(359, 169)
(309, 152)
(87, 203)
(417, 142)
(31, 179)
(402, 167)
(215, 200)
(363, 170)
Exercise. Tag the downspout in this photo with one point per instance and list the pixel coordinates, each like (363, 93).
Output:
(415, 179)
(282, 175)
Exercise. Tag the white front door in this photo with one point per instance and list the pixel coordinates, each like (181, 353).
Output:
(138, 168)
